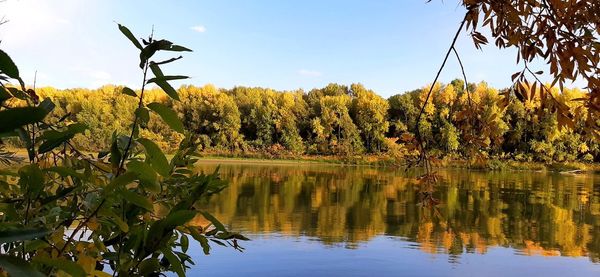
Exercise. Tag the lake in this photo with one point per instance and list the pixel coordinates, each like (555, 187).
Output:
(321, 220)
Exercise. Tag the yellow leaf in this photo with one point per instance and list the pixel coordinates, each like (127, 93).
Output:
(88, 263)
(98, 273)
(93, 224)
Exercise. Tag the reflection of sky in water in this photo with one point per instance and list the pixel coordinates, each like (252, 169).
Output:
(328, 220)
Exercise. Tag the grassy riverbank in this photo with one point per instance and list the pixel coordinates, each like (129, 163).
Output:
(384, 161)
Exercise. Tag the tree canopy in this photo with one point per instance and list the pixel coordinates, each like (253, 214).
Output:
(340, 120)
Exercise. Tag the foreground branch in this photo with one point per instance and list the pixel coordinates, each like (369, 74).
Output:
(417, 124)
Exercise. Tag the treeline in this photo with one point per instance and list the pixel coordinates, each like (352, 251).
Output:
(341, 120)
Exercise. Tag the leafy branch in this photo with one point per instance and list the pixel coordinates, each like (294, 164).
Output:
(83, 193)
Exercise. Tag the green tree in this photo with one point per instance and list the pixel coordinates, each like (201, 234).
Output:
(402, 113)
(290, 116)
(210, 112)
(369, 112)
(335, 126)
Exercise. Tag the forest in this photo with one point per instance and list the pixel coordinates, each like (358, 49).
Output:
(340, 121)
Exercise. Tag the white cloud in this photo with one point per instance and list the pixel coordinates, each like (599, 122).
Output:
(199, 28)
(309, 73)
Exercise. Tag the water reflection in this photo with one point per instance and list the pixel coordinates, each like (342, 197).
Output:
(534, 213)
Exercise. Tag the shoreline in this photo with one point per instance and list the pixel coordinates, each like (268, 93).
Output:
(570, 168)
(264, 161)
(566, 168)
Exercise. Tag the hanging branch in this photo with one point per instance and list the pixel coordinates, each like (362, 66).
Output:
(423, 154)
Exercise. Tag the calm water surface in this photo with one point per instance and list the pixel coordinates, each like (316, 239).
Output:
(355, 221)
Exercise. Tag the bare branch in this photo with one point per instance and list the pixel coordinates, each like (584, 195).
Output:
(464, 76)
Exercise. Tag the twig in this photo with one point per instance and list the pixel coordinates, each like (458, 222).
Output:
(542, 84)
(35, 124)
(85, 158)
(135, 119)
(464, 76)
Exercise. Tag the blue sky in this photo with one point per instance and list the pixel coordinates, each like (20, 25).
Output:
(389, 46)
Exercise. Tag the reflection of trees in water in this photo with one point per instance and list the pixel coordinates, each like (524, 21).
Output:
(538, 214)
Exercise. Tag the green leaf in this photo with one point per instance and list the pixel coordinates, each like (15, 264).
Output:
(31, 180)
(178, 48)
(214, 221)
(60, 194)
(137, 200)
(9, 210)
(167, 88)
(115, 153)
(19, 94)
(7, 66)
(76, 128)
(168, 116)
(130, 36)
(16, 267)
(162, 44)
(204, 243)
(128, 91)
(121, 181)
(4, 95)
(228, 236)
(14, 118)
(47, 105)
(65, 265)
(239, 236)
(176, 265)
(7, 236)
(65, 171)
(35, 245)
(149, 266)
(147, 53)
(218, 242)
(9, 134)
(185, 242)
(146, 174)
(156, 71)
(201, 239)
(114, 218)
(168, 61)
(53, 139)
(167, 78)
(164, 85)
(24, 136)
(178, 218)
(143, 115)
(156, 157)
